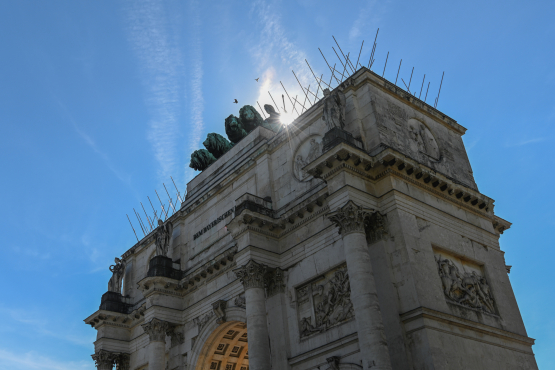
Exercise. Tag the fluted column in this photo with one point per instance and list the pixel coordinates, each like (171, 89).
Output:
(104, 360)
(156, 330)
(372, 342)
(252, 275)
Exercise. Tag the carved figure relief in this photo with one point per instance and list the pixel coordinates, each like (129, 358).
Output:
(202, 321)
(324, 302)
(114, 285)
(308, 151)
(334, 109)
(162, 237)
(464, 284)
(421, 139)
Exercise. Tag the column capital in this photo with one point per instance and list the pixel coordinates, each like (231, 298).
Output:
(350, 218)
(123, 361)
(104, 359)
(156, 330)
(251, 274)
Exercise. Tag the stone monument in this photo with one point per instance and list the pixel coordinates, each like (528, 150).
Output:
(357, 239)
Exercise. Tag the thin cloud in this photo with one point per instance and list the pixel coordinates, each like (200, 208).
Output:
(35, 361)
(276, 53)
(197, 73)
(92, 144)
(527, 141)
(371, 14)
(161, 65)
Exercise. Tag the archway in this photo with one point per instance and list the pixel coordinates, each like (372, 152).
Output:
(225, 349)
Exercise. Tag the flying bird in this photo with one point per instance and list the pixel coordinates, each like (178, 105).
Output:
(235, 101)
(256, 79)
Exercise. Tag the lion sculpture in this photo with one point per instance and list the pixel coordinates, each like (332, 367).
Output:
(250, 117)
(201, 159)
(217, 144)
(234, 129)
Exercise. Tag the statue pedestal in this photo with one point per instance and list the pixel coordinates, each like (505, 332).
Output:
(336, 136)
(115, 302)
(163, 266)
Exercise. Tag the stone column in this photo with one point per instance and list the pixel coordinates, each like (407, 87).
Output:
(252, 276)
(371, 337)
(277, 318)
(104, 360)
(156, 330)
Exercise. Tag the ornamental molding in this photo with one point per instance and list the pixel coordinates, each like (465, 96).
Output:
(116, 319)
(156, 329)
(388, 161)
(251, 275)
(350, 218)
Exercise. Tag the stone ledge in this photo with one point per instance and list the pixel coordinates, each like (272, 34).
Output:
(424, 318)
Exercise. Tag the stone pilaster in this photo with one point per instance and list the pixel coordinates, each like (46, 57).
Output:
(351, 220)
(156, 330)
(104, 360)
(252, 275)
(274, 282)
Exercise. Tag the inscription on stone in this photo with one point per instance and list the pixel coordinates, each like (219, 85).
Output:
(214, 223)
(325, 302)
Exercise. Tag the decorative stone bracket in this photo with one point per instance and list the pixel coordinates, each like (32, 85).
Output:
(219, 310)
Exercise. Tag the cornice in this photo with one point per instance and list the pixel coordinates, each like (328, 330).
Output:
(389, 162)
(116, 319)
(190, 282)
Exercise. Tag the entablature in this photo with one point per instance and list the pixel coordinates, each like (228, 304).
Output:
(345, 157)
(117, 319)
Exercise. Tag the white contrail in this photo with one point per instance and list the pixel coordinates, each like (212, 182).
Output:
(197, 73)
(161, 66)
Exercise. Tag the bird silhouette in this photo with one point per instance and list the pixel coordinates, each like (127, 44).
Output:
(235, 101)
(256, 79)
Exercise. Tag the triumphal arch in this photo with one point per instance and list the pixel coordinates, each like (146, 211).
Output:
(354, 238)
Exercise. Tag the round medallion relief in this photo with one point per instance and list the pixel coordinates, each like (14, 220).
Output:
(422, 139)
(309, 150)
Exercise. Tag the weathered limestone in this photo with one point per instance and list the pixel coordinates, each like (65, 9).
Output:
(373, 346)
(354, 239)
(252, 276)
(156, 330)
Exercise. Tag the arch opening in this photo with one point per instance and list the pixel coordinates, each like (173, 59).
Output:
(227, 348)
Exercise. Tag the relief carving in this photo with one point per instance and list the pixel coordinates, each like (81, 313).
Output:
(325, 302)
(467, 288)
(308, 151)
(202, 321)
(422, 140)
(240, 301)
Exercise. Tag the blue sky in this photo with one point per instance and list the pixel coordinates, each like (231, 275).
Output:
(102, 101)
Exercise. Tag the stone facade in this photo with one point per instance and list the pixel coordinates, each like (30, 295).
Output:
(350, 241)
